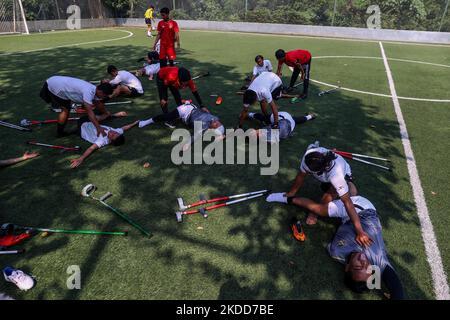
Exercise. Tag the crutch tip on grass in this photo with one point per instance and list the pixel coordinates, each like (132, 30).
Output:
(179, 215)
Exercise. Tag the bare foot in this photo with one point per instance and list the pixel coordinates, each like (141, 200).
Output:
(311, 219)
(120, 114)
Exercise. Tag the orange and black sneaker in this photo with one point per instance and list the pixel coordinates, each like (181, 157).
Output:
(297, 230)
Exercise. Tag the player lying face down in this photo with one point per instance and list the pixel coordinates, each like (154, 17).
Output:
(358, 260)
(190, 114)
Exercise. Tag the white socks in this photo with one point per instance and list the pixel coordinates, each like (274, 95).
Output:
(145, 123)
(277, 197)
(308, 117)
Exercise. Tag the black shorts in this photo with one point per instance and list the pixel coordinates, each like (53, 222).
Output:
(164, 94)
(134, 93)
(276, 94)
(80, 122)
(148, 21)
(325, 186)
(55, 101)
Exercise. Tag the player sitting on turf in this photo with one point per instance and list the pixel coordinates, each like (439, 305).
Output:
(190, 114)
(151, 66)
(174, 78)
(358, 260)
(169, 34)
(124, 83)
(286, 125)
(87, 131)
(26, 156)
(61, 92)
(300, 60)
(336, 177)
(265, 89)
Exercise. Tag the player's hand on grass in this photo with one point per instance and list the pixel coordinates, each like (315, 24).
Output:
(30, 155)
(120, 114)
(363, 239)
(75, 163)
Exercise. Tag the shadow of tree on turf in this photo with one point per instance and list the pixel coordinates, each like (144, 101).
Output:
(241, 252)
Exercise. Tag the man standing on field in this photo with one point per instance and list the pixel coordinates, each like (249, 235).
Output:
(149, 20)
(168, 33)
(300, 60)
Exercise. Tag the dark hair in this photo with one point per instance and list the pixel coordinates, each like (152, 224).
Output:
(152, 6)
(165, 10)
(120, 140)
(280, 54)
(111, 68)
(153, 55)
(250, 97)
(318, 161)
(355, 286)
(184, 74)
(258, 57)
(106, 88)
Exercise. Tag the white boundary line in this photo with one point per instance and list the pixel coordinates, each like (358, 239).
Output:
(380, 94)
(440, 284)
(130, 34)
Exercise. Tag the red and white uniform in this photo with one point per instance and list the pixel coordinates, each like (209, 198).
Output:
(297, 56)
(167, 30)
(169, 76)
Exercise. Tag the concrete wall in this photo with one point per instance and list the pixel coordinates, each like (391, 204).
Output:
(317, 31)
(288, 29)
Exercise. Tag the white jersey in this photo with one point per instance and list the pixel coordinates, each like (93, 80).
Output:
(267, 67)
(336, 208)
(283, 115)
(128, 79)
(89, 133)
(152, 69)
(185, 111)
(264, 85)
(158, 46)
(336, 175)
(73, 89)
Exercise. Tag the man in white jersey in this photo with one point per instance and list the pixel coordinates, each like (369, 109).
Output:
(61, 92)
(265, 89)
(124, 83)
(286, 125)
(87, 131)
(358, 260)
(336, 177)
(262, 65)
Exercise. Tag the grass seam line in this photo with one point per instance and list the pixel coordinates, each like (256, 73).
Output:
(441, 288)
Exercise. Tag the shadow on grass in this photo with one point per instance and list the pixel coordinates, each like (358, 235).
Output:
(236, 241)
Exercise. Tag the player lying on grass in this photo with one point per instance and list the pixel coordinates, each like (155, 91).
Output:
(265, 89)
(300, 60)
(124, 83)
(151, 66)
(261, 66)
(336, 177)
(61, 92)
(168, 34)
(26, 156)
(358, 260)
(190, 114)
(286, 125)
(87, 131)
(173, 79)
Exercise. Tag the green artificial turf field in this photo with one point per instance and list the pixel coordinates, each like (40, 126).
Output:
(241, 252)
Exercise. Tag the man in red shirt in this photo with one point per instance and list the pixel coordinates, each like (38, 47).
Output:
(168, 33)
(174, 78)
(300, 60)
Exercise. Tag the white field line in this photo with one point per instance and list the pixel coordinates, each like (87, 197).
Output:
(130, 34)
(441, 288)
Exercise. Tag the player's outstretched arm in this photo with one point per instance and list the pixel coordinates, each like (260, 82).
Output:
(298, 183)
(130, 126)
(26, 156)
(362, 238)
(75, 163)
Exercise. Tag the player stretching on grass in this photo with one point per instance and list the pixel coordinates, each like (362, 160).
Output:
(149, 20)
(26, 156)
(260, 67)
(87, 131)
(124, 83)
(61, 92)
(173, 79)
(265, 89)
(358, 260)
(190, 114)
(169, 34)
(300, 60)
(336, 177)
(286, 125)
(151, 66)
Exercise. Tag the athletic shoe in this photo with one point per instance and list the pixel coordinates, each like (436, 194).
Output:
(312, 114)
(297, 230)
(19, 278)
(170, 124)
